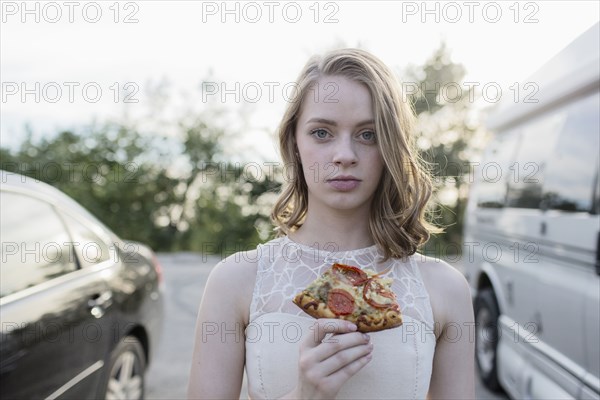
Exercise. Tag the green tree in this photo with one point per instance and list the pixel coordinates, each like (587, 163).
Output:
(448, 137)
(150, 188)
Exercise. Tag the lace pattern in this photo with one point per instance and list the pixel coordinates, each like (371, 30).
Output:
(285, 268)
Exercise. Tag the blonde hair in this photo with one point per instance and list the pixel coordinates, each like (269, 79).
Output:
(397, 220)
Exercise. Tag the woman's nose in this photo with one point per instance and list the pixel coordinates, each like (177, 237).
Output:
(345, 153)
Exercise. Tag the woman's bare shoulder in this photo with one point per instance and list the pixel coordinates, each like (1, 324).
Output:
(440, 275)
(232, 280)
(448, 289)
(237, 270)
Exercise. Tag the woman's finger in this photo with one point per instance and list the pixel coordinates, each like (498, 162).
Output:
(324, 326)
(343, 358)
(349, 370)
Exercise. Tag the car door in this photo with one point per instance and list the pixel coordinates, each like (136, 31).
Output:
(55, 325)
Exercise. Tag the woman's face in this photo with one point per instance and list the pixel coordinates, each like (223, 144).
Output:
(337, 142)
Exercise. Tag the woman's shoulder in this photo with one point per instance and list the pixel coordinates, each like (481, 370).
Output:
(449, 292)
(230, 284)
(236, 268)
(440, 275)
(243, 265)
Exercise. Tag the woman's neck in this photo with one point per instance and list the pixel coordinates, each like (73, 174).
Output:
(347, 230)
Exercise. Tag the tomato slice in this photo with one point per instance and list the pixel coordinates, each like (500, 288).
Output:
(353, 275)
(340, 302)
(377, 295)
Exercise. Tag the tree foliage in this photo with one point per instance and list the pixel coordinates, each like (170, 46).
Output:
(152, 189)
(448, 137)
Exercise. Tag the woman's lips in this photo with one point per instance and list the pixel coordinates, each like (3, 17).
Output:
(344, 184)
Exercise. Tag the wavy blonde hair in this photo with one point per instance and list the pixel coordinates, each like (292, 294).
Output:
(398, 212)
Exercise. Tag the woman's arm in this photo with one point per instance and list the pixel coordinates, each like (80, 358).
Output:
(453, 375)
(219, 350)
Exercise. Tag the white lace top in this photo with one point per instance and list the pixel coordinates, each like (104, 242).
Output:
(402, 357)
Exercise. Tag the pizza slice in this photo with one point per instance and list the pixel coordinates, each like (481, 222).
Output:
(355, 295)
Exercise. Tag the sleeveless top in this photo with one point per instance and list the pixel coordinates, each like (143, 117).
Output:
(402, 357)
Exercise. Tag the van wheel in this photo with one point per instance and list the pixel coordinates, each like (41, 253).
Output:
(486, 338)
(126, 371)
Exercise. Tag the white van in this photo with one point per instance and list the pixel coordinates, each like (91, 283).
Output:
(532, 235)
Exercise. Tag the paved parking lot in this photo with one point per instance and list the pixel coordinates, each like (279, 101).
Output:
(185, 275)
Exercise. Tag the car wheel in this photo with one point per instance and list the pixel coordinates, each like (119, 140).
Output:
(486, 338)
(126, 371)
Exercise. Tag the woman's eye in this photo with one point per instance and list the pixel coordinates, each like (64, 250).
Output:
(320, 133)
(368, 136)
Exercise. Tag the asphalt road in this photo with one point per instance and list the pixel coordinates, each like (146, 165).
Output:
(185, 275)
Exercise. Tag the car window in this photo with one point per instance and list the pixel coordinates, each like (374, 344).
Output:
(571, 171)
(35, 243)
(526, 173)
(89, 247)
(493, 173)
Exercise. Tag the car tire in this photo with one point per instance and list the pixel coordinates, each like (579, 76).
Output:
(126, 371)
(486, 338)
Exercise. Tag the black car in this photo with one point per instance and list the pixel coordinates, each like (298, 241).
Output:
(81, 310)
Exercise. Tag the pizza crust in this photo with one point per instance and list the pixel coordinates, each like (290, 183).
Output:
(313, 307)
(371, 323)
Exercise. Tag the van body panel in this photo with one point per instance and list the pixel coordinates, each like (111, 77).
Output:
(532, 231)
(591, 332)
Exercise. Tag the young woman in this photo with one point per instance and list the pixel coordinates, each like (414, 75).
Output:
(355, 194)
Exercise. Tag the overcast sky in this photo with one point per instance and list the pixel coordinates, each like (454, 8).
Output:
(55, 50)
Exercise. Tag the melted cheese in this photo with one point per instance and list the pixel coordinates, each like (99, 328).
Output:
(360, 304)
(376, 297)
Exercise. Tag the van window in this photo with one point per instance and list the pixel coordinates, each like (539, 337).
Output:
(35, 243)
(571, 171)
(526, 173)
(493, 173)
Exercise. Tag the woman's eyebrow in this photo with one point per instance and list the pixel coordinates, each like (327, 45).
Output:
(366, 122)
(322, 121)
(333, 123)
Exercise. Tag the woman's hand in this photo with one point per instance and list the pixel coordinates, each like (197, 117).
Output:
(326, 363)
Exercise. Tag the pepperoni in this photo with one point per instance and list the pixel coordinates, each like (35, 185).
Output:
(353, 275)
(340, 302)
(373, 286)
